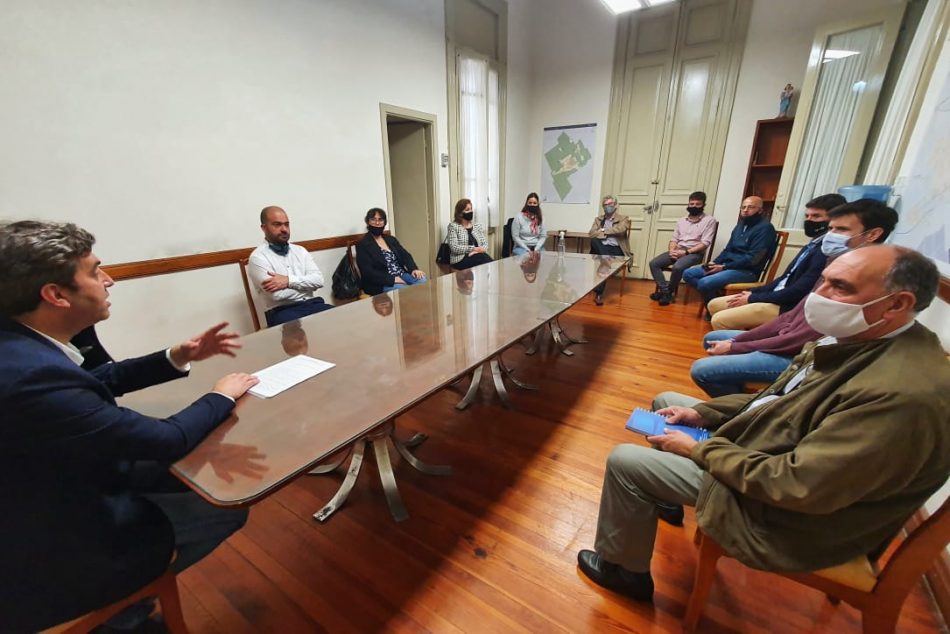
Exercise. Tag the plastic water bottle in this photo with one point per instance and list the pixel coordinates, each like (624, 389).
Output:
(561, 245)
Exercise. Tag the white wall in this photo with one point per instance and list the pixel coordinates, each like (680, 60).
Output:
(571, 45)
(164, 127)
(776, 52)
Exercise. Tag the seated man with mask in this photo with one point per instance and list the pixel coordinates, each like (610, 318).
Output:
(691, 238)
(756, 306)
(284, 273)
(750, 245)
(823, 466)
(608, 236)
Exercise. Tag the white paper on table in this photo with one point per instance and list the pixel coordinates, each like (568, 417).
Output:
(286, 374)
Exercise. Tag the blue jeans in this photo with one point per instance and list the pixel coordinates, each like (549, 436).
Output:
(516, 250)
(709, 286)
(410, 281)
(727, 373)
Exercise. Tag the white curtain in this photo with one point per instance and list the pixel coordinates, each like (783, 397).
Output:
(479, 153)
(841, 84)
(882, 167)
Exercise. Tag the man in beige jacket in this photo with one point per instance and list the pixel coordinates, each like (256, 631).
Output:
(824, 465)
(608, 236)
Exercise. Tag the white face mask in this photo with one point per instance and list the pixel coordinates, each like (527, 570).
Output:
(838, 319)
(837, 243)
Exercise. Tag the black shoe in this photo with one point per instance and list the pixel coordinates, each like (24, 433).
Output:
(599, 299)
(670, 513)
(666, 299)
(636, 585)
(658, 293)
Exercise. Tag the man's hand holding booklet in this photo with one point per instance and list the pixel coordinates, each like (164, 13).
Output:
(652, 424)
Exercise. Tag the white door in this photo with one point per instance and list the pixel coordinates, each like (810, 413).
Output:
(674, 83)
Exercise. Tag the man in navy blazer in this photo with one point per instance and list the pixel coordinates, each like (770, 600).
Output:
(754, 307)
(91, 514)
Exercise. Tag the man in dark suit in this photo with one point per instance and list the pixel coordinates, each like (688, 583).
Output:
(91, 514)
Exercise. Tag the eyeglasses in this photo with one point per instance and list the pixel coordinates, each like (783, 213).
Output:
(749, 207)
(376, 221)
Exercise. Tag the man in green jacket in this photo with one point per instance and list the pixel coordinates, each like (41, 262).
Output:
(824, 465)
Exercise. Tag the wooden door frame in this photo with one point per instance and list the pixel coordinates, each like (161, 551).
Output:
(430, 127)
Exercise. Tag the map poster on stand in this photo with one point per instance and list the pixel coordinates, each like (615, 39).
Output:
(567, 167)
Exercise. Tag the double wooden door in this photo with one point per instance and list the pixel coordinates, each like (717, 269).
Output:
(674, 82)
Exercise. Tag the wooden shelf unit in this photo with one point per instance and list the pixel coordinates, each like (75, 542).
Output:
(767, 160)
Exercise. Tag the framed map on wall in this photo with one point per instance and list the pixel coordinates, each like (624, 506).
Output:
(567, 169)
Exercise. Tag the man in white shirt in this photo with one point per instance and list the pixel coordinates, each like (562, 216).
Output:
(283, 273)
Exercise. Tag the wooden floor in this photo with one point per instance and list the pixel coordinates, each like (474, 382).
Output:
(492, 548)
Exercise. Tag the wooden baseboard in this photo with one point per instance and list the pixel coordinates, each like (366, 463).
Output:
(177, 264)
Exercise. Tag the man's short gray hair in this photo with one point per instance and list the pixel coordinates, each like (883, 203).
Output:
(33, 254)
(608, 197)
(913, 272)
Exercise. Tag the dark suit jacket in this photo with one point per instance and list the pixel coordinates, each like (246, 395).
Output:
(93, 352)
(373, 272)
(807, 265)
(76, 536)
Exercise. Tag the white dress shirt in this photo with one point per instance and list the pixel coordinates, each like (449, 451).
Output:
(301, 271)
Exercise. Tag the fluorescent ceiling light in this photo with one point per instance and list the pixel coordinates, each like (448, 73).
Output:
(834, 53)
(622, 6)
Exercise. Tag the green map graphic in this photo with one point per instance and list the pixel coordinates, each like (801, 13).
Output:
(564, 160)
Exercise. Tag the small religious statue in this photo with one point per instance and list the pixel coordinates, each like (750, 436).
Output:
(785, 101)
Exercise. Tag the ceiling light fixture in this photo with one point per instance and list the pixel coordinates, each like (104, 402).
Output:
(622, 6)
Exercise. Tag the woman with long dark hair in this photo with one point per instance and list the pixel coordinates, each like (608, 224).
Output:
(527, 229)
(384, 264)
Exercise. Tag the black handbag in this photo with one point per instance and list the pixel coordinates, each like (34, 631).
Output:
(346, 280)
(445, 254)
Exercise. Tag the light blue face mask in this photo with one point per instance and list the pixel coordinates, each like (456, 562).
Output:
(837, 243)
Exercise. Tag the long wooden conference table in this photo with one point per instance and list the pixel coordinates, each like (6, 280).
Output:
(391, 352)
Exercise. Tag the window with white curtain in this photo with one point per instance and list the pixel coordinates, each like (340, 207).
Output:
(843, 76)
(479, 137)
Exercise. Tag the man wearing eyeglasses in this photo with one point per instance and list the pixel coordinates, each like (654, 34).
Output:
(744, 257)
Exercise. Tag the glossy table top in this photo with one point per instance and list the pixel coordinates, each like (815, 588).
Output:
(390, 352)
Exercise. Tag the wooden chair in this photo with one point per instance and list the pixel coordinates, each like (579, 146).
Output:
(249, 295)
(772, 261)
(770, 270)
(165, 588)
(878, 592)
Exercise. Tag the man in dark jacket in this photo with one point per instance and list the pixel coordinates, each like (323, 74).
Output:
(755, 306)
(91, 514)
(749, 247)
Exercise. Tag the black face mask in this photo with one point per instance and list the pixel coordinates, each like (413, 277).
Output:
(376, 231)
(533, 209)
(695, 211)
(815, 228)
(468, 215)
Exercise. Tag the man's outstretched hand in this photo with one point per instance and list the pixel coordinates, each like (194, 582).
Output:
(209, 343)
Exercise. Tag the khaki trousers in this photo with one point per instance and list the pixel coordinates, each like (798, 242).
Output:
(636, 479)
(742, 317)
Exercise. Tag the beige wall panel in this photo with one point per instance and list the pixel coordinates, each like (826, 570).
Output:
(688, 128)
(642, 131)
(476, 27)
(654, 34)
(706, 24)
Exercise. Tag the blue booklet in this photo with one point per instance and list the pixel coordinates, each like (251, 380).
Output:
(651, 424)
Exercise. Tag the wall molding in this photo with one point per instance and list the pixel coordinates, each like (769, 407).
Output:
(180, 263)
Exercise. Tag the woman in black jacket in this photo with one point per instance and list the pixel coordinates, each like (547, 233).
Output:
(383, 263)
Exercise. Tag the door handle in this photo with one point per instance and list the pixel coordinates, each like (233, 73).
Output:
(651, 207)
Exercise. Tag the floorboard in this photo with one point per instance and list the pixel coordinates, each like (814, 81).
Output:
(492, 548)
